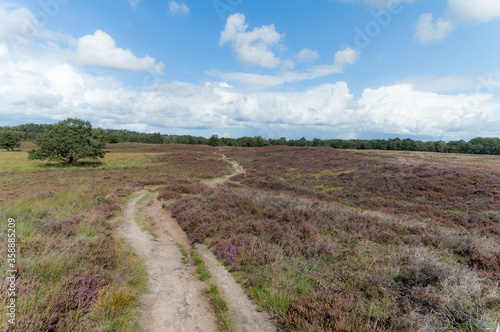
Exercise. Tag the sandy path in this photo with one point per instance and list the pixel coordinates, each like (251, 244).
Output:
(237, 170)
(175, 302)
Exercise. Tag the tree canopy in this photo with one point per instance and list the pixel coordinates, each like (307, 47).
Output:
(478, 145)
(213, 140)
(69, 140)
(9, 141)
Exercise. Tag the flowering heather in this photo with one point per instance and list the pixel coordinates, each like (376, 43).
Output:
(228, 252)
(79, 290)
(342, 241)
(176, 188)
(447, 192)
(200, 164)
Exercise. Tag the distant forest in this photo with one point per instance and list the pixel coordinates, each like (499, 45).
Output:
(479, 145)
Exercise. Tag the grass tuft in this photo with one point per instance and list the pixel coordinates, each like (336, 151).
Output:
(224, 319)
(201, 268)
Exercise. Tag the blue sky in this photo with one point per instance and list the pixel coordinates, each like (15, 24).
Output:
(426, 69)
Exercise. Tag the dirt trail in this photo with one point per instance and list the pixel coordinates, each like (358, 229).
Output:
(237, 170)
(175, 302)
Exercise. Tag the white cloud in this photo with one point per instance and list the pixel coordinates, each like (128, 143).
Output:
(307, 55)
(402, 109)
(287, 64)
(3, 49)
(489, 82)
(429, 31)
(99, 50)
(346, 57)
(253, 47)
(261, 81)
(18, 24)
(133, 3)
(480, 11)
(178, 8)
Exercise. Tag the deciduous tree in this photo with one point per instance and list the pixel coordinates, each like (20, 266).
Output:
(213, 140)
(69, 140)
(9, 141)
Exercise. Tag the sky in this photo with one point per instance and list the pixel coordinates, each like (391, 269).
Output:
(423, 69)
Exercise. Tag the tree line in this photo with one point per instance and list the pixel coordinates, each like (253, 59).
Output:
(10, 136)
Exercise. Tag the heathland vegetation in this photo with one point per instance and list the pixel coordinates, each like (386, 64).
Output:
(332, 240)
(74, 271)
(323, 239)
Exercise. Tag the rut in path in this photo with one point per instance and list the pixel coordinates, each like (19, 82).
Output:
(175, 301)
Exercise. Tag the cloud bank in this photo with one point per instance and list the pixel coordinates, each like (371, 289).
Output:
(45, 90)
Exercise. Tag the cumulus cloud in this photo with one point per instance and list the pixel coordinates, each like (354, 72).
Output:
(178, 8)
(253, 47)
(345, 57)
(307, 55)
(99, 50)
(429, 30)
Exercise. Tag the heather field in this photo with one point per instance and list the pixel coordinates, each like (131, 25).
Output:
(74, 271)
(325, 240)
(332, 240)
